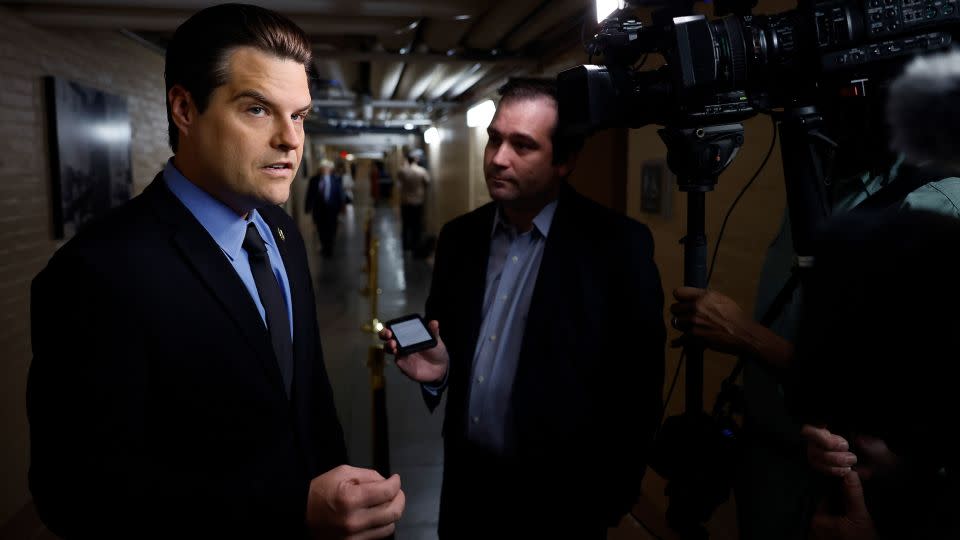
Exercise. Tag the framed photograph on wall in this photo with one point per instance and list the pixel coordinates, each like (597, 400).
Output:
(90, 163)
(656, 188)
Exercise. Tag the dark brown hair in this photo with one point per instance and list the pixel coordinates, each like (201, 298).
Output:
(524, 88)
(198, 55)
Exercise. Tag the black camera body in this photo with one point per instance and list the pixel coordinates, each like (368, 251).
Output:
(729, 69)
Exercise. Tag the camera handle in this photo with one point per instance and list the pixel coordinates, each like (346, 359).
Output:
(697, 156)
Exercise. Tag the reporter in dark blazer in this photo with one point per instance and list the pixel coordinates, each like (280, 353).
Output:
(552, 399)
(178, 386)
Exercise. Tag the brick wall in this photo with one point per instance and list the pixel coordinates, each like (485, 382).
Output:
(105, 60)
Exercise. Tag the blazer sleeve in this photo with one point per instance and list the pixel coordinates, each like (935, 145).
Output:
(89, 474)
(436, 307)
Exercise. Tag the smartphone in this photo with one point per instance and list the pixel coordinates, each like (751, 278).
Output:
(411, 334)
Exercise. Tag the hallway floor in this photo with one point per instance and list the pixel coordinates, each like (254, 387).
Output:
(415, 445)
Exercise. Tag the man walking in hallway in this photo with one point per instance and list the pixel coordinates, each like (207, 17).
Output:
(178, 386)
(325, 200)
(549, 313)
(414, 181)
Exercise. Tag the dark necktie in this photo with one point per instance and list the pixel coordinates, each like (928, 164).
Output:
(273, 303)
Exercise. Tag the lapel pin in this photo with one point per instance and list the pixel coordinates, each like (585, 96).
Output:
(280, 234)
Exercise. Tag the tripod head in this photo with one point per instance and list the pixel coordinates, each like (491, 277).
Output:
(699, 155)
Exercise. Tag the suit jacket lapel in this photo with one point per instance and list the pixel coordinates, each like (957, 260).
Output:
(202, 253)
(475, 282)
(558, 267)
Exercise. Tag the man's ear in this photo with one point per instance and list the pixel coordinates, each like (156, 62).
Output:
(182, 108)
(564, 169)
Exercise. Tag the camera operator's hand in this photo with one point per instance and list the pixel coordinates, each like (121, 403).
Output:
(831, 454)
(722, 325)
(827, 453)
(854, 524)
(427, 366)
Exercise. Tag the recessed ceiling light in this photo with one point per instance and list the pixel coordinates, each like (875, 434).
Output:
(462, 17)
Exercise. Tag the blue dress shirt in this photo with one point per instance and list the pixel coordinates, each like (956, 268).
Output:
(512, 270)
(228, 230)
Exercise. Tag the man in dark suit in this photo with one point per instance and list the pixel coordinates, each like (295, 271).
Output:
(178, 387)
(325, 200)
(549, 312)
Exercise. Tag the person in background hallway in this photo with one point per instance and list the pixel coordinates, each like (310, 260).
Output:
(325, 200)
(549, 313)
(888, 396)
(178, 386)
(413, 180)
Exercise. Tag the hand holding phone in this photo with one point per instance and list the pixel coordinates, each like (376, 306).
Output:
(421, 354)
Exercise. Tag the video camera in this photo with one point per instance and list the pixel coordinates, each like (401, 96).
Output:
(729, 69)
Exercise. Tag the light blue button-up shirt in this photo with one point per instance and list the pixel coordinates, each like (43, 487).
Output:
(512, 270)
(228, 231)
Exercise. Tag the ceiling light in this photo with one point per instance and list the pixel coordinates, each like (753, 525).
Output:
(606, 7)
(462, 18)
(407, 28)
(451, 52)
(431, 135)
(408, 127)
(481, 114)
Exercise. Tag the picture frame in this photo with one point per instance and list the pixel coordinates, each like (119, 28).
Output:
(90, 140)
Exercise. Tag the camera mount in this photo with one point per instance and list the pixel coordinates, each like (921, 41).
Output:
(697, 156)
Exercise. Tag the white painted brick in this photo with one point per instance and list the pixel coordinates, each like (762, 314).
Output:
(103, 60)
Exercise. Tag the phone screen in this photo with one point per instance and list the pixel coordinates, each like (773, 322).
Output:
(410, 332)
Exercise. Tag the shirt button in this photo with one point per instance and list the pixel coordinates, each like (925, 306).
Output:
(476, 419)
(515, 258)
(504, 298)
(480, 379)
(493, 337)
